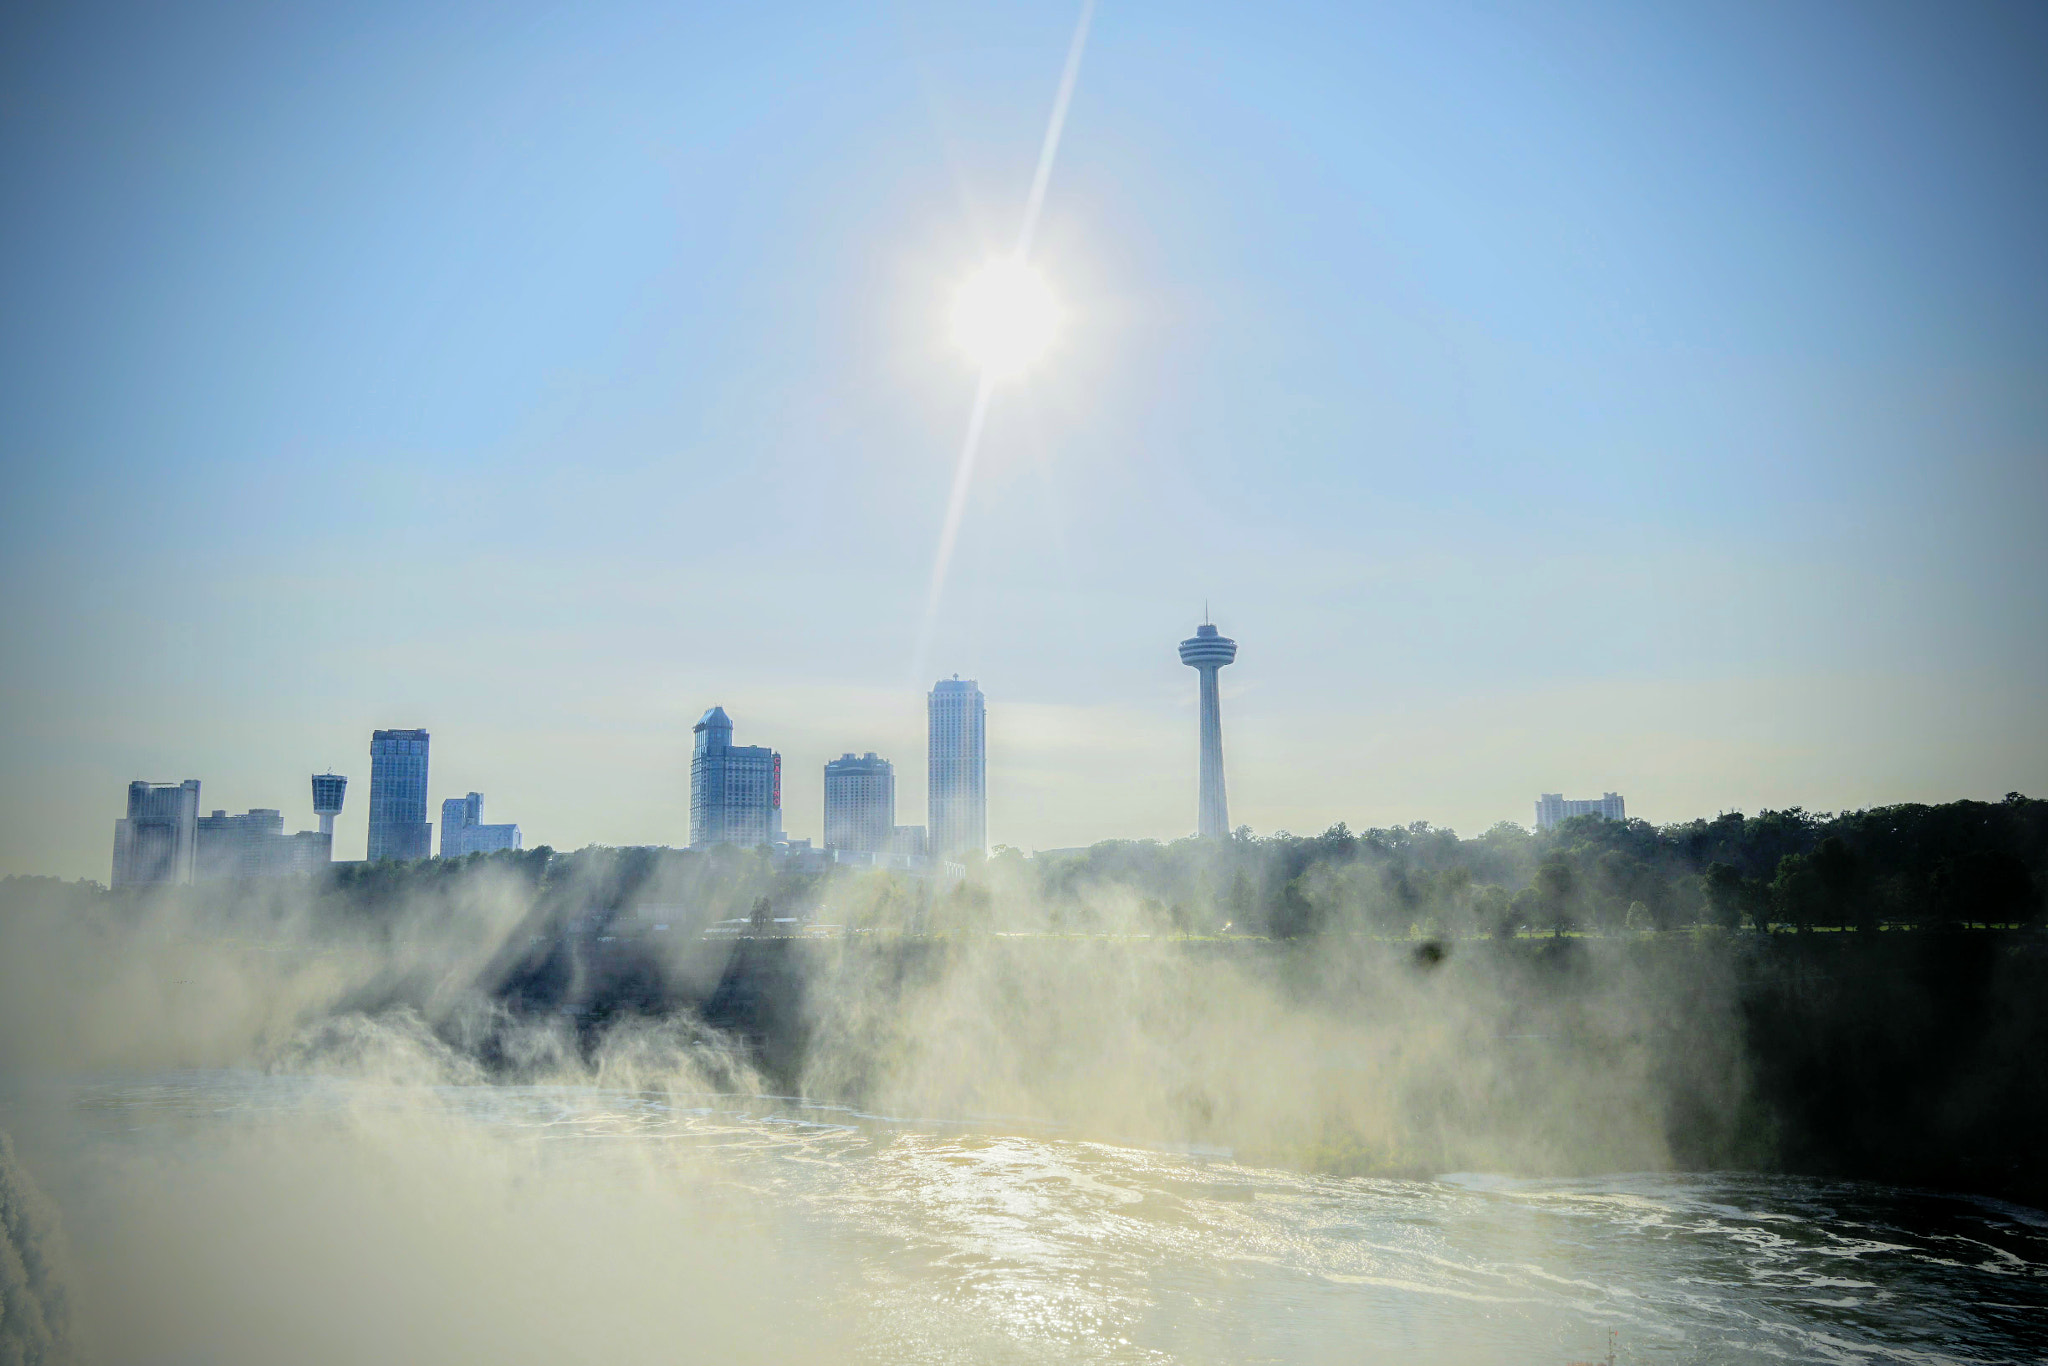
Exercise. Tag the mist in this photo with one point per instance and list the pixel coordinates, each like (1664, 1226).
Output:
(395, 1183)
(1100, 1012)
(650, 1103)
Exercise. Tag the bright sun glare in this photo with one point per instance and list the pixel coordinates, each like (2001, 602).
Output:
(1004, 317)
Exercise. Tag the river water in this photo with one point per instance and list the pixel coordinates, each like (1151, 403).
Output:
(236, 1216)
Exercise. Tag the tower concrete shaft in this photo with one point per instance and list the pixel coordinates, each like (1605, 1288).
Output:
(1207, 652)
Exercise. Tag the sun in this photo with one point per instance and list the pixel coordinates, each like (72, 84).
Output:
(1005, 318)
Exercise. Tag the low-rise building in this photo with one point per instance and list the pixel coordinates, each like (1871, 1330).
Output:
(463, 831)
(254, 844)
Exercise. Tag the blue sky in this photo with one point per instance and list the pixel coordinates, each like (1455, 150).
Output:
(1547, 398)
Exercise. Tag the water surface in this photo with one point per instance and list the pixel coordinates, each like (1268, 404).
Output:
(679, 1227)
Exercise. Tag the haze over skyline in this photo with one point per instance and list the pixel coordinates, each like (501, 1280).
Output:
(1546, 398)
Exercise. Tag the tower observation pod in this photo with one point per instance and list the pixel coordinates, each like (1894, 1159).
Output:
(327, 792)
(1206, 652)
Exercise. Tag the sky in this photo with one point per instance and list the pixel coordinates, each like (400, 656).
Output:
(1547, 397)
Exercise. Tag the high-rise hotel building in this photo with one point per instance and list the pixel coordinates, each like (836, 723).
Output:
(735, 790)
(860, 804)
(1552, 810)
(158, 840)
(958, 772)
(398, 795)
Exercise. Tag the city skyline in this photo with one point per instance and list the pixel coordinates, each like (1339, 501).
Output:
(727, 783)
(1550, 808)
(1501, 369)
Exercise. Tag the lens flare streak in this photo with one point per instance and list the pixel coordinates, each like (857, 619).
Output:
(977, 421)
(956, 504)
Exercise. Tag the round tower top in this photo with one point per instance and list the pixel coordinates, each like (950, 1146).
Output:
(1207, 649)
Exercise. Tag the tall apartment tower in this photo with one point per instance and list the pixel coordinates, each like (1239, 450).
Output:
(158, 840)
(1206, 652)
(398, 795)
(860, 804)
(735, 790)
(328, 790)
(958, 768)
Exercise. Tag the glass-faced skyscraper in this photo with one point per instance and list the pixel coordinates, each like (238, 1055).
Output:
(398, 795)
(735, 790)
(958, 759)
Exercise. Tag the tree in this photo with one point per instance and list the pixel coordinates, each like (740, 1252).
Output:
(1296, 917)
(1525, 910)
(1615, 877)
(1452, 900)
(1796, 892)
(1556, 889)
(1492, 912)
(1838, 878)
(1986, 885)
(1241, 902)
(1727, 897)
(1393, 903)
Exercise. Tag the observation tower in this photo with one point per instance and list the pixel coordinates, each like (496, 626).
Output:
(327, 792)
(1206, 651)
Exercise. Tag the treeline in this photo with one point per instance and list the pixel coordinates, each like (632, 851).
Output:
(1963, 863)
(1910, 866)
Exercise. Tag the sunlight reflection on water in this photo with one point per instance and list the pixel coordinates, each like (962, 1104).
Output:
(956, 1242)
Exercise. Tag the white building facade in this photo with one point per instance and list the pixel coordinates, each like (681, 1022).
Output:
(1553, 810)
(463, 831)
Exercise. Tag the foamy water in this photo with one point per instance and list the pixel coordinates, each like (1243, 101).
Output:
(578, 1224)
